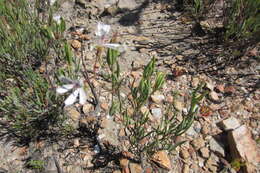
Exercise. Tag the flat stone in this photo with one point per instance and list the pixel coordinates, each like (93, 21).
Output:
(157, 112)
(179, 57)
(135, 168)
(104, 106)
(157, 98)
(76, 44)
(212, 164)
(230, 90)
(127, 4)
(210, 86)
(87, 108)
(50, 165)
(108, 133)
(205, 129)
(123, 163)
(230, 123)
(198, 143)
(72, 113)
(197, 126)
(220, 88)
(214, 96)
(216, 147)
(242, 146)
(195, 82)
(162, 159)
(186, 169)
(184, 153)
(204, 151)
(178, 105)
(191, 131)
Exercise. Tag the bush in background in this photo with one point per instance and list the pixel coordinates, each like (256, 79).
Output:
(27, 42)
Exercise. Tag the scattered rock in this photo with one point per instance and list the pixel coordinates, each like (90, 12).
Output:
(124, 163)
(157, 98)
(212, 165)
(72, 169)
(169, 99)
(216, 147)
(194, 167)
(2, 170)
(87, 108)
(198, 143)
(191, 131)
(204, 152)
(220, 88)
(104, 106)
(157, 112)
(82, 3)
(135, 168)
(186, 169)
(195, 82)
(112, 10)
(201, 162)
(214, 96)
(178, 105)
(184, 153)
(178, 71)
(143, 50)
(72, 113)
(242, 146)
(162, 159)
(179, 57)
(84, 37)
(135, 74)
(197, 126)
(76, 44)
(205, 129)
(127, 4)
(117, 171)
(76, 142)
(230, 123)
(210, 86)
(50, 165)
(108, 134)
(230, 90)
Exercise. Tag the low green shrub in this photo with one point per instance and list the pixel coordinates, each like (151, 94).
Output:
(27, 41)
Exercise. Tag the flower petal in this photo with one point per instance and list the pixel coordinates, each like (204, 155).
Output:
(82, 96)
(118, 47)
(102, 29)
(64, 88)
(72, 98)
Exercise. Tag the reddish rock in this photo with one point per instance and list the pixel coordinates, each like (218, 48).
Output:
(135, 168)
(162, 159)
(76, 44)
(220, 88)
(124, 165)
(214, 96)
(184, 153)
(230, 123)
(229, 90)
(242, 146)
(148, 170)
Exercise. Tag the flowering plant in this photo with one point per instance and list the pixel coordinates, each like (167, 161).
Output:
(103, 35)
(78, 86)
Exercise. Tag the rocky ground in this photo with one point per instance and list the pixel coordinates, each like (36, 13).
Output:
(226, 129)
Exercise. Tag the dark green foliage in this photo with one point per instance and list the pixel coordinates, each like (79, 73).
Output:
(27, 101)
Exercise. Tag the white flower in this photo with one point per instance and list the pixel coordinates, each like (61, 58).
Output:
(52, 2)
(102, 30)
(79, 91)
(103, 37)
(57, 18)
